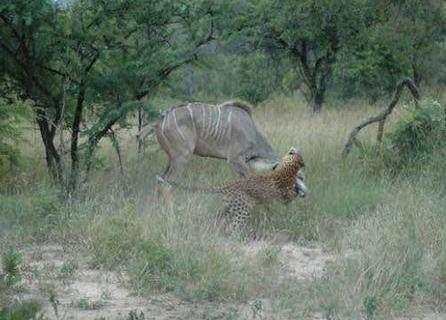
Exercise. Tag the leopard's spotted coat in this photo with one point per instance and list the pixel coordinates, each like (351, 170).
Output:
(241, 195)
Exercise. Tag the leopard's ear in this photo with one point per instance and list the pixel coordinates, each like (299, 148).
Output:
(295, 150)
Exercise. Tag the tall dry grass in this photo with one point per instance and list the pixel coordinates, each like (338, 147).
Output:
(387, 231)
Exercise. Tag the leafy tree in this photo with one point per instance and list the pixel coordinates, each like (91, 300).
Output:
(310, 32)
(366, 46)
(92, 62)
(29, 53)
(249, 76)
(12, 112)
(158, 38)
(401, 39)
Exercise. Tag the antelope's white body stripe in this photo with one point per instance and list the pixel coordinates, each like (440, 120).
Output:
(229, 131)
(217, 129)
(166, 141)
(209, 128)
(176, 125)
(192, 117)
(163, 124)
(203, 126)
(223, 128)
(229, 124)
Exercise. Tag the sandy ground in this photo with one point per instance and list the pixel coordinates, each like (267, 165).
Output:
(98, 294)
(298, 262)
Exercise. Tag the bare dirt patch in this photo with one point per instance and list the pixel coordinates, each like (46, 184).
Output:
(298, 262)
(426, 316)
(68, 289)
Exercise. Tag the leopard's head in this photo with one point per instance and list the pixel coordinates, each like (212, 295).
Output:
(294, 157)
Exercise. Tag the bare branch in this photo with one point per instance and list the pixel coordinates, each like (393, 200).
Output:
(352, 139)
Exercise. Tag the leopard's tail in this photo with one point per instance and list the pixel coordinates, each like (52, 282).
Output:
(194, 189)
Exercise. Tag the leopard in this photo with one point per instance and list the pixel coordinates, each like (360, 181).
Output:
(284, 184)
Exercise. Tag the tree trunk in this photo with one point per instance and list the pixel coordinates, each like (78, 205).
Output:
(93, 141)
(74, 174)
(417, 76)
(142, 121)
(75, 129)
(317, 95)
(53, 159)
(315, 75)
(316, 106)
(115, 144)
(318, 100)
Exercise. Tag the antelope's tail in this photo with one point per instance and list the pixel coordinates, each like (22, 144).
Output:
(193, 189)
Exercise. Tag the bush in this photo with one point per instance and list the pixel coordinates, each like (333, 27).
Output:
(10, 279)
(32, 214)
(11, 115)
(257, 78)
(153, 267)
(119, 241)
(251, 77)
(112, 239)
(418, 134)
(11, 261)
(22, 311)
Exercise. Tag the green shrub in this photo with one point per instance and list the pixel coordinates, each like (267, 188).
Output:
(113, 238)
(10, 276)
(11, 115)
(153, 267)
(32, 214)
(418, 134)
(257, 79)
(251, 77)
(12, 209)
(135, 315)
(22, 311)
(45, 204)
(68, 269)
(219, 278)
(441, 279)
(11, 261)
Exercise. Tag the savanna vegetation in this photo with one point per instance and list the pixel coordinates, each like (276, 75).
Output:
(82, 232)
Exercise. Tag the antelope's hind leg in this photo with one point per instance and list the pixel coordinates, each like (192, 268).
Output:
(163, 191)
(178, 140)
(174, 168)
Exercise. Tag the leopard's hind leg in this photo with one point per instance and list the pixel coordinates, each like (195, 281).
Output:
(238, 208)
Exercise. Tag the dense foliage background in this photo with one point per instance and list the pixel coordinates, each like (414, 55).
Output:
(86, 67)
